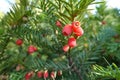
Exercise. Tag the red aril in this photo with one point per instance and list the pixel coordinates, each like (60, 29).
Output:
(65, 48)
(45, 74)
(19, 42)
(58, 23)
(39, 74)
(28, 76)
(72, 42)
(31, 49)
(59, 73)
(67, 30)
(79, 31)
(52, 74)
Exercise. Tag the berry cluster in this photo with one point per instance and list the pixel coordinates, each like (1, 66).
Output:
(43, 74)
(40, 74)
(31, 48)
(73, 30)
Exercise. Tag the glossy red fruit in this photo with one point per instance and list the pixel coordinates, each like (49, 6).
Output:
(72, 42)
(39, 74)
(67, 30)
(58, 23)
(19, 42)
(75, 25)
(52, 74)
(65, 48)
(79, 31)
(31, 49)
(59, 73)
(35, 48)
(28, 76)
(45, 74)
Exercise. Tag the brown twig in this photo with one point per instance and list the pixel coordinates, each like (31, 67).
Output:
(74, 67)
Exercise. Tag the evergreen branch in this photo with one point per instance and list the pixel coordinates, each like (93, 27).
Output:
(73, 66)
(5, 45)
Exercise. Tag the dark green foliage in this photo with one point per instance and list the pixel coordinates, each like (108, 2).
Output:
(33, 21)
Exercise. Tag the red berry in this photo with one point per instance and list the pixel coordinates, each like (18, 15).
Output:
(67, 30)
(58, 23)
(39, 74)
(19, 42)
(35, 49)
(45, 74)
(28, 76)
(79, 31)
(59, 73)
(52, 74)
(65, 48)
(75, 24)
(31, 49)
(72, 42)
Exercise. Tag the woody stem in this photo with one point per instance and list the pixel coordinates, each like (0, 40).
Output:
(74, 67)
